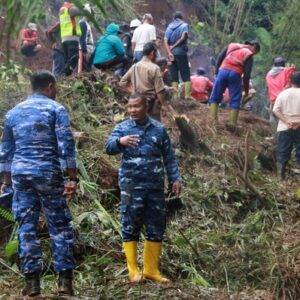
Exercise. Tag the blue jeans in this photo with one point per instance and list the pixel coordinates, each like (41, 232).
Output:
(232, 81)
(137, 56)
(58, 62)
(31, 194)
(285, 142)
(143, 207)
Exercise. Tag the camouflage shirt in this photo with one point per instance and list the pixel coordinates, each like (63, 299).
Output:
(143, 166)
(37, 138)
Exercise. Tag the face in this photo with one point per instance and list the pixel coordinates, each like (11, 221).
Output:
(158, 43)
(137, 110)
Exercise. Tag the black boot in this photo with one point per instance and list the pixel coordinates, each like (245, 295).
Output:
(65, 283)
(32, 286)
(281, 170)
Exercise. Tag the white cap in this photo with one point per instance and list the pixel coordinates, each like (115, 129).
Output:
(135, 23)
(32, 26)
(88, 8)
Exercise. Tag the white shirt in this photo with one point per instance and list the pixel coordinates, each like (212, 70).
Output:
(142, 35)
(288, 103)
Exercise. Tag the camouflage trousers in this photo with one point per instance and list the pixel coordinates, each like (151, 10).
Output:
(31, 194)
(143, 208)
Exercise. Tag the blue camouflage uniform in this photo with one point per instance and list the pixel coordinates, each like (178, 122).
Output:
(141, 177)
(37, 140)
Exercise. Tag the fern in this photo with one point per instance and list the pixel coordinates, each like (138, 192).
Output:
(6, 215)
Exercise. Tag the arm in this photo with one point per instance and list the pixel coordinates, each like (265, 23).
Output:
(120, 50)
(7, 150)
(183, 37)
(66, 150)
(247, 74)
(82, 39)
(220, 59)
(125, 81)
(167, 46)
(171, 164)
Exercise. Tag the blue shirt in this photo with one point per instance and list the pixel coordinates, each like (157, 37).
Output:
(37, 138)
(173, 33)
(143, 166)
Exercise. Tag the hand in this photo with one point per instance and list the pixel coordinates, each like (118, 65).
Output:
(173, 89)
(3, 187)
(171, 57)
(70, 190)
(164, 110)
(130, 140)
(176, 188)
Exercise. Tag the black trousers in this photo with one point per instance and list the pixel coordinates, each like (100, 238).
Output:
(119, 60)
(71, 54)
(180, 64)
(285, 142)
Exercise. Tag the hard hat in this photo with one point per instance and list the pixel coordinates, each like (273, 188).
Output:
(135, 23)
(279, 61)
(88, 8)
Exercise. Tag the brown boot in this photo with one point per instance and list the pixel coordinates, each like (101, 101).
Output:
(65, 283)
(32, 286)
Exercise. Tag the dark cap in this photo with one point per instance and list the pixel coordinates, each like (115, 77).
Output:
(254, 43)
(178, 15)
(200, 71)
(279, 61)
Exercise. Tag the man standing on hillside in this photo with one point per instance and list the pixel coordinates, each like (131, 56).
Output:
(277, 79)
(234, 61)
(145, 78)
(70, 33)
(176, 37)
(287, 110)
(147, 151)
(36, 141)
(142, 35)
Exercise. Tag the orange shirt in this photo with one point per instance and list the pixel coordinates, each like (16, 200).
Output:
(201, 86)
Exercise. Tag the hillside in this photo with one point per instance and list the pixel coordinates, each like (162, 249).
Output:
(232, 235)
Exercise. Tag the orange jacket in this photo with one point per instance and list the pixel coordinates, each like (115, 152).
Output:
(235, 58)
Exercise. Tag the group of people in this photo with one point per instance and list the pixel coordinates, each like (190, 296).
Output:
(37, 148)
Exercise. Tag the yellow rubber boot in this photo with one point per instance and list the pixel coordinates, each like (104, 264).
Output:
(175, 94)
(233, 117)
(188, 91)
(130, 249)
(152, 251)
(214, 112)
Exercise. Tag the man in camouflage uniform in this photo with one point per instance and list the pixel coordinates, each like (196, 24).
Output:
(146, 150)
(37, 140)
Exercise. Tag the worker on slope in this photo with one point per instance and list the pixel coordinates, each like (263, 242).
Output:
(147, 150)
(234, 61)
(28, 40)
(86, 41)
(53, 34)
(287, 110)
(109, 50)
(277, 79)
(144, 34)
(70, 33)
(145, 78)
(127, 37)
(37, 140)
(201, 85)
(176, 37)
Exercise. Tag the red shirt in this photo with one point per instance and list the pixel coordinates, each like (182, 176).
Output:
(28, 34)
(278, 79)
(201, 86)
